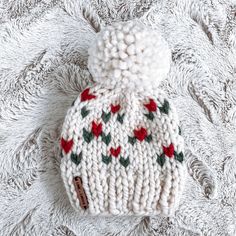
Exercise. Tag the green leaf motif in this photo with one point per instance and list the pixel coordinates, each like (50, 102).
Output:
(149, 138)
(150, 116)
(106, 138)
(124, 162)
(106, 159)
(132, 140)
(179, 157)
(106, 116)
(76, 158)
(84, 112)
(165, 108)
(120, 118)
(88, 136)
(161, 159)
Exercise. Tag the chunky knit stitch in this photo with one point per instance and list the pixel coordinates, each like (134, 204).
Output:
(120, 141)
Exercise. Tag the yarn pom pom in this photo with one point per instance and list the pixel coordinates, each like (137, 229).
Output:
(129, 54)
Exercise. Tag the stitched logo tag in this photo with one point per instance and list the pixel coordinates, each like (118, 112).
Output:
(80, 192)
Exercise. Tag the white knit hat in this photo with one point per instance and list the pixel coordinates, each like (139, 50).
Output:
(121, 144)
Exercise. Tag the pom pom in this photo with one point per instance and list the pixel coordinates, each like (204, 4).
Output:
(129, 54)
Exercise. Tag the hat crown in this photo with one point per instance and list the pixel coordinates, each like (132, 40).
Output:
(127, 150)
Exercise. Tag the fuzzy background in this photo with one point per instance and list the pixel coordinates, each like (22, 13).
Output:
(43, 67)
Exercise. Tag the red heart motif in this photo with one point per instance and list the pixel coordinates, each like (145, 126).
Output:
(96, 128)
(169, 151)
(115, 108)
(66, 145)
(85, 95)
(115, 152)
(151, 106)
(140, 134)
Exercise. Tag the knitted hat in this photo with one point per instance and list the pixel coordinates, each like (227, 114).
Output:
(121, 143)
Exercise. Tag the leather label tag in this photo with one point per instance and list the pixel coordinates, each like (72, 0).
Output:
(80, 192)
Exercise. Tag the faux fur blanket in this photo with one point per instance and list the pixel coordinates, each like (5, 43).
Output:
(43, 67)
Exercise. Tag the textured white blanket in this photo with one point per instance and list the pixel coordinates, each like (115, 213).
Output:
(43, 66)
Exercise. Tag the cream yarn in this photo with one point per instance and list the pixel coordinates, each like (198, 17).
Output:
(122, 150)
(131, 54)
